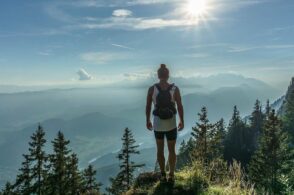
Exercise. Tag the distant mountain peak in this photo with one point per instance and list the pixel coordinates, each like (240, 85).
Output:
(282, 101)
(290, 88)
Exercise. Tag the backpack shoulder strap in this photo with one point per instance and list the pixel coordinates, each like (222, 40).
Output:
(170, 87)
(158, 87)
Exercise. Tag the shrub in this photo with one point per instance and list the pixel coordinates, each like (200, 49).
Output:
(143, 183)
(193, 178)
(146, 179)
(217, 171)
(237, 181)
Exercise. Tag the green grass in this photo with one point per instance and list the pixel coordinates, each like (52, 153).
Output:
(192, 181)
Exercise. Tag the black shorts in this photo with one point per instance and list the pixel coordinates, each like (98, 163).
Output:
(170, 135)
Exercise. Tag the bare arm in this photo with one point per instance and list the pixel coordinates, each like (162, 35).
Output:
(178, 100)
(148, 108)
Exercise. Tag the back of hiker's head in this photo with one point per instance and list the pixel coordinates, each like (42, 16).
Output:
(163, 72)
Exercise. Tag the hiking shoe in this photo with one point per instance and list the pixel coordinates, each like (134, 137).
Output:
(163, 177)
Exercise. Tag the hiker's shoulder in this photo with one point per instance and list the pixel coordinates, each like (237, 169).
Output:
(174, 86)
(176, 89)
(151, 88)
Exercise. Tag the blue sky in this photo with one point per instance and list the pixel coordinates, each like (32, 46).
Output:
(100, 41)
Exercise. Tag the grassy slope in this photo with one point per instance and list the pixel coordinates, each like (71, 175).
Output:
(192, 180)
(182, 187)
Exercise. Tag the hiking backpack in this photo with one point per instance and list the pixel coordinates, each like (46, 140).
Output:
(164, 108)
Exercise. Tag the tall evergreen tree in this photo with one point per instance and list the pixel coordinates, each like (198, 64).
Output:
(24, 178)
(116, 188)
(273, 158)
(8, 190)
(31, 177)
(59, 175)
(57, 180)
(38, 159)
(201, 134)
(74, 177)
(256, 118)
(289, 111)
(125, 177)
(236, 141)
(184, 155)
(90, 184)
(182, 146)
(267, 109)
(256, 122)
(217, 142)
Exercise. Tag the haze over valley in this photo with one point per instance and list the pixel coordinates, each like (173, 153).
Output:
(93, 118)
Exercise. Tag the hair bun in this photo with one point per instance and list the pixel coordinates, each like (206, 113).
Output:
(162, 66)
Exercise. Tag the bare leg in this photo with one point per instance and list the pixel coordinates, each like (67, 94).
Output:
(172, 157)
(160, 154)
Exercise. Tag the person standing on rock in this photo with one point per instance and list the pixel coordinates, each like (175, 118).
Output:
(167, 102)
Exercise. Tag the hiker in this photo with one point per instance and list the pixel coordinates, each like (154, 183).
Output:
(167, 102)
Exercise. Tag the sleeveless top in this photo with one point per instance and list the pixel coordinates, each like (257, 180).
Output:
(160, 124)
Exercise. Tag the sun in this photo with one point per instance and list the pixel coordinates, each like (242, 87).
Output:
(196, 8)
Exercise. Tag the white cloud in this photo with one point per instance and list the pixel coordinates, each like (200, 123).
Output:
(139, 75)
(97, 57)
(148, 2)
(122, 3)
(84, 75)
(122, 13)
(132, 23)
(121, 46)
(103, 57)
(118, 3)
(124, 19)
(249, 48)
(235, 5)
(88, 3)
(196, 55)
(241, 49)
(276, 68)
(283, 46)
(97, 3)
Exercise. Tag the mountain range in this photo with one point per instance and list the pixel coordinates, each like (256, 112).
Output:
(93, 119)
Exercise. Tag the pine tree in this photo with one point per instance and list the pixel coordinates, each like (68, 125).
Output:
(125, 177)
(256, 122)
(116, 188)
(38, 159)
(59, 175)
(8, 190)
(90, 184)
(182, 146)
(184, 156)
(201, 134)
(267, 108)
(24, 179)
(181, 156)
(273, 158)
(57, 181)
(256, 118)
(218, 135)
(289, 111)
(30, 180)
(74, 177)
(236, 141)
